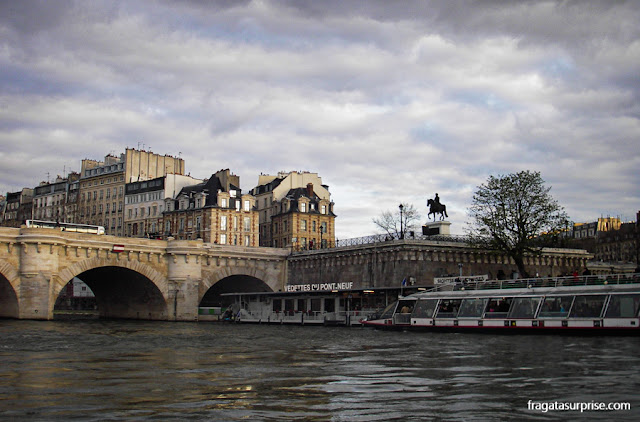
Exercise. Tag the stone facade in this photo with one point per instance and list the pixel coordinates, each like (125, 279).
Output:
(295, 211)
(149, 279)
(102, 185)
(386, 264)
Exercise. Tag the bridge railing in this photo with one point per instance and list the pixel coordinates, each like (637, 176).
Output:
(383, 238)
(584, 280)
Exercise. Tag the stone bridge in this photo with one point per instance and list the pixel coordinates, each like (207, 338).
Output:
(130, 277)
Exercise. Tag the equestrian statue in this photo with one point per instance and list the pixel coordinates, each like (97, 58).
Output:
(435, 207)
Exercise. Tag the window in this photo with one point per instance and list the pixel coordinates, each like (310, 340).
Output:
(323, 227)
(223, 202)
(448, 308)
(587, 306)
(425, 308)
(303, 225)
(323, 209)
(472, 308)
(303, 207)
(247, 224)
(223, 239)
(247, 205)
(247, 240)
(555, 307)
(524, 307)
(223, 222)
(313, 226)
(623, 306)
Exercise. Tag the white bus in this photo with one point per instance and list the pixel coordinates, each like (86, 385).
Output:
(66, 227)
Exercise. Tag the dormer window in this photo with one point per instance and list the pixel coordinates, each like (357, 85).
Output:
(303, 207)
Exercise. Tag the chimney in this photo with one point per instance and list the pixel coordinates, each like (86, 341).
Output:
(310, 190)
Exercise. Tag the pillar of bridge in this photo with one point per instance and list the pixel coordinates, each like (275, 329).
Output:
(184, 276)
(38, 266)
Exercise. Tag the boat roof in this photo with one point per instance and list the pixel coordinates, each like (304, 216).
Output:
(463, 293)
(327, 292)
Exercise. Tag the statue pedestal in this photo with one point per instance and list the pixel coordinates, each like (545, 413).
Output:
(436, 227)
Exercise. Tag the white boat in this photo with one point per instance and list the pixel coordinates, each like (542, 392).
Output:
(589, 304)
(334, 307)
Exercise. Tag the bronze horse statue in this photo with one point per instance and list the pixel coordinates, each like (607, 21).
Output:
(436, 208)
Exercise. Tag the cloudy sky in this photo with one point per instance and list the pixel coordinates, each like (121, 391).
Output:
(388, 102)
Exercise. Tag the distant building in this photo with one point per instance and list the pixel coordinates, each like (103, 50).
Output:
(145, 203)
(18, 208)
(102, 185)
(619, 246)
(57, 201)
(215, 211)
(295, 211)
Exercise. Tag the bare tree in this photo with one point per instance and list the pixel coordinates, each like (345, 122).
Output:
(390, 221)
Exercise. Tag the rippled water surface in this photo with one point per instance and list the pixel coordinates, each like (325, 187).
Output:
(125, 370)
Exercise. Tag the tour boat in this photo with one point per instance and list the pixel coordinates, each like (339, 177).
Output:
(587, 304)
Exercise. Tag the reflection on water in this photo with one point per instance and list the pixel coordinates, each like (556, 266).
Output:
(126, 370)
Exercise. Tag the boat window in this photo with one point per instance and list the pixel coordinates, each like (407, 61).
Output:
(524, 307)
(388, 311)
(425, 308)
(448, 308)
(472, 308)
(329, 304)
(556, 307)
(277, 305)
(405, 306)
(316, 305)
(587, 306)
(623, 306)
(288, 304)
(498, 307)
(302, 305)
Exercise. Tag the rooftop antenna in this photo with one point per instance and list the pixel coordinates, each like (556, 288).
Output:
(47, 177)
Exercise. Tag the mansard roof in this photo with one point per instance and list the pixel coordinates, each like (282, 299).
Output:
(268, 187)
(211, 187)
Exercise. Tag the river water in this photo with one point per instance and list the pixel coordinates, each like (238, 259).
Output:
(132, 370)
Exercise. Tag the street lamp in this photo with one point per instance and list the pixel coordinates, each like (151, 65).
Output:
(401, 232)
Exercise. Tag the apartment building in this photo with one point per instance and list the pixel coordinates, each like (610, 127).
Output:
(18, 208)
(295, 210)
(102, 184)
(144, 203)
(58, 200)
(215, 211)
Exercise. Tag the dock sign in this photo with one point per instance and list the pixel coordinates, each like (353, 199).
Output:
(118, 248)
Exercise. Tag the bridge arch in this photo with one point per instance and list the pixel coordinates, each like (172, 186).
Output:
(251, 276)
(123, 288)
(9, 285)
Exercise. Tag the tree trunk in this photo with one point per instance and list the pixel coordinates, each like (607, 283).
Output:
(519, 260)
